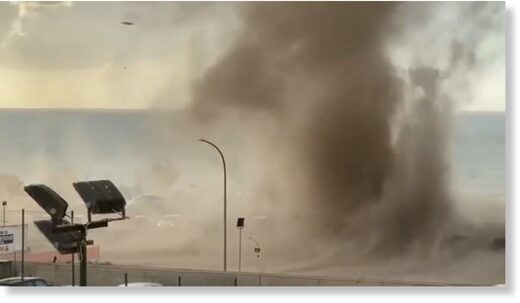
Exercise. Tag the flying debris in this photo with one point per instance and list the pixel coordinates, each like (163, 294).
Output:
(127, 23)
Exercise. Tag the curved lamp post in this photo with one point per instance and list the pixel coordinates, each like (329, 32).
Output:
(257, 251)
(257, 248)
(225, 200)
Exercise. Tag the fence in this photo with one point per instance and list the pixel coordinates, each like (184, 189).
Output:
(110, 275)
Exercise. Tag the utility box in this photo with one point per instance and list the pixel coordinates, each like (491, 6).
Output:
(6, 268)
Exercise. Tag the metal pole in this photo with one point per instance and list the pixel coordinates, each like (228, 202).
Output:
(4, 203)
(225, 200)
(239, 249)
(257, 250)
(72, 256)
(23, 242)
(14, 264)
(126, 279)
(83, 259)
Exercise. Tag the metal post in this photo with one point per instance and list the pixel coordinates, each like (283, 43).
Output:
(23, 243)
(240, 249)
(126, 279)
(83, 259)
(72, 256)
(14, 265)
(4, 203)
(257, 251)
(225, 199)
(258, 266)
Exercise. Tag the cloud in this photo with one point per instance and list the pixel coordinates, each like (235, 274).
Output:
(26, 10)
(82, 56)
(90, 34)
(464, 41)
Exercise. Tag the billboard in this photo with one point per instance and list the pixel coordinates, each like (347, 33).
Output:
(11, 239)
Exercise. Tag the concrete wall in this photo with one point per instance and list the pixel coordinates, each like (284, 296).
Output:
(109, 275)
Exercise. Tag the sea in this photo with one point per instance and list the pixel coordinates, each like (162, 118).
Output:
(121, 144)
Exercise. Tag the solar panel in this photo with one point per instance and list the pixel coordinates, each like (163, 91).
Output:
(101, 196)
(49, 200)
(240, 222)
(64, 242)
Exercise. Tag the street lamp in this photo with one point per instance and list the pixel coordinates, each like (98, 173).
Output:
(225, 199)
(257, 251)
(100, 197)
(257, 248)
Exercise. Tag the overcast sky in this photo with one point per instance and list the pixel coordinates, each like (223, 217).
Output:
(79, 55)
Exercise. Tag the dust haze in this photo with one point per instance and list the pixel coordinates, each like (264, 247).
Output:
(338, 155)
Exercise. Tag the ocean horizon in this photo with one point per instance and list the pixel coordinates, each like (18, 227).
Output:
(121, 145)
